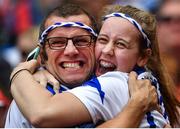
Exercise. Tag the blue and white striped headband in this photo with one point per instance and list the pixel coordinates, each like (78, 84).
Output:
(134, 22)
(65, 24)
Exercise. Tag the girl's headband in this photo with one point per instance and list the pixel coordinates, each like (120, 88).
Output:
(134, 22)
(65, 24)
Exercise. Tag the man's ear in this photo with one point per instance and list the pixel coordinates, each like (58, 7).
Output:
(42, 60)
(142, 61)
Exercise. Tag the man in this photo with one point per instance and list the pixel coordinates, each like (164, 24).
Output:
(73, 64)
(168, 17)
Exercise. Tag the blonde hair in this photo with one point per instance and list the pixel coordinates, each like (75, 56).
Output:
(148, 23)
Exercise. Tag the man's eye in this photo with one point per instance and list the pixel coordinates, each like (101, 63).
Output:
(53, 40)
(81, 40)
(57, 42)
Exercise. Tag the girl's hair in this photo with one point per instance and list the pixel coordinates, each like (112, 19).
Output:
(148, 23)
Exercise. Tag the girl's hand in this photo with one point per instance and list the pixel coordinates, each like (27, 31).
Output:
(43, 77)
(30, 66)
(143, 93)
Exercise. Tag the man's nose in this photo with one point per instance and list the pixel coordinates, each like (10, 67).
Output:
(70, 48)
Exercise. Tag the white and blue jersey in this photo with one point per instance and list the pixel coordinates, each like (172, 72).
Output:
(104, 97)
(15, 119)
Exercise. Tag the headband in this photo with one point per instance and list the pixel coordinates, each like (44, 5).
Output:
(134, 22)
(65, 24)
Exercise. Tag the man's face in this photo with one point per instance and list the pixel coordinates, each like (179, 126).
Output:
(169, 28)
(71, 66)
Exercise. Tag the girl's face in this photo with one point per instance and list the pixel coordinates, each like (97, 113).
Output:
(117, 46)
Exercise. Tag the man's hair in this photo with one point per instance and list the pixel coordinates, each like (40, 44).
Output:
(164, 2)
(66, 10)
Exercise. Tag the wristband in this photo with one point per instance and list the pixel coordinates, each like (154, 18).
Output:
(17, 73)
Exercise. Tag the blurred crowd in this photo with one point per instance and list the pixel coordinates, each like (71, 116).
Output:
(19, 26)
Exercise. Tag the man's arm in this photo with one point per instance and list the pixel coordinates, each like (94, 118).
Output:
(134, 108)
(44, 118)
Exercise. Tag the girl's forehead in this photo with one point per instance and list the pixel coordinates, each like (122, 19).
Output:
(118, 22)
(119, 25)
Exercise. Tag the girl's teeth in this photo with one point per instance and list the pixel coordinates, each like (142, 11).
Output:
(106, 64)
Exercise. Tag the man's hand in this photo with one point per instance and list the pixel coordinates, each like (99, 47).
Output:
(142, 93)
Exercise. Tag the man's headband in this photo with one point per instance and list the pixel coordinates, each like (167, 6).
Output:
(65, 24)
(134, 22)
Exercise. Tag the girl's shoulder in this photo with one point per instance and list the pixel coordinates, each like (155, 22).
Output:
(114, 74)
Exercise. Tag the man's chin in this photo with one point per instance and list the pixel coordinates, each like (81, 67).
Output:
(74, 80)
(73, 83)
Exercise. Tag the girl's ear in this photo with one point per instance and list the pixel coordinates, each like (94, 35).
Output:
(142, 61)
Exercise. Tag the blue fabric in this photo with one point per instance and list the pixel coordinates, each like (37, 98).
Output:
(58, 23)
(155, 83)
(139, 70)
(150, 120)
(95, 83)
(79, 23)
(50, 88)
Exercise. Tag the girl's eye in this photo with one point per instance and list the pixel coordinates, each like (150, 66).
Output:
(102, 40)
(121, 44)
